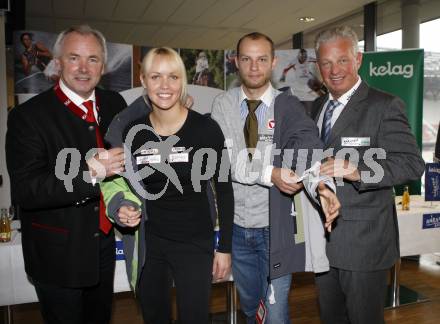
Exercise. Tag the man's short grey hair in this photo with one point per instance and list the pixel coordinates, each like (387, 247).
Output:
(335, 33)
(84, 30)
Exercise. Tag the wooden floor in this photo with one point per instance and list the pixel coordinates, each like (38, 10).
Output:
(422, 276)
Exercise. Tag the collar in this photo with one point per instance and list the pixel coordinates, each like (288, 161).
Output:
(266, 98)
(346, 96)
(78, 110)
(75, 98)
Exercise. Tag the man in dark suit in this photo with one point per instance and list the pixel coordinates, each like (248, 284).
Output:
(372, 127)
(55, 156)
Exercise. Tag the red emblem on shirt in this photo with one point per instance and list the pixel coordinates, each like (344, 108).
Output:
(271, 124)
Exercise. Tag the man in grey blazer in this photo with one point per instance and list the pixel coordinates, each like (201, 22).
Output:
(372, 127)
(263, 256)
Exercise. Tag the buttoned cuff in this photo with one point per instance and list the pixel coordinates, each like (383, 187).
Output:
(266, 179)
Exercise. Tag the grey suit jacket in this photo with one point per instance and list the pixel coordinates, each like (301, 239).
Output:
(366, 236)
(293, 130)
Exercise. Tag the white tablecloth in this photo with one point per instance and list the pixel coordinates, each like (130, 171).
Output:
(15, 287)
(414, 239)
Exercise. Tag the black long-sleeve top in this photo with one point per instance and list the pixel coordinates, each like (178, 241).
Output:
(180, 210)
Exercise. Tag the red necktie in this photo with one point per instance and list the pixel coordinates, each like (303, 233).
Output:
(104, 224)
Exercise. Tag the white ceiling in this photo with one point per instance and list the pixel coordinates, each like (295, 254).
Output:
(210, 24)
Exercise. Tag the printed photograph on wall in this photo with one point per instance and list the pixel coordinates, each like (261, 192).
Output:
(32, 57)
(138, 54)
(232, 79)
(117, 74)
(297, 69)
(35, 70)
(204, 67)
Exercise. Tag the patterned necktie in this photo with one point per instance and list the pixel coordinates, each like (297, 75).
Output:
(327, 120)
(251, 125)
(104, 224)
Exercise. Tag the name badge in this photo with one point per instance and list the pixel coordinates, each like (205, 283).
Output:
(355, 141)
(150, 151)
(265, 138)
(148, 159)
(178, 149)
(178, 157)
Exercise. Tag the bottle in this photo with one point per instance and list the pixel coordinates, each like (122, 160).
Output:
(405, 199)
(5, 226)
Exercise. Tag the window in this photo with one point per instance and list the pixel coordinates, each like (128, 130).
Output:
(431, 94)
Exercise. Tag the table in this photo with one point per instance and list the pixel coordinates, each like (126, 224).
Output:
(17, 289)
(15, 286)
(419, 234)
(414, 239)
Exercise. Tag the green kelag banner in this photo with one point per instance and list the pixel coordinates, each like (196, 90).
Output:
(399, 73)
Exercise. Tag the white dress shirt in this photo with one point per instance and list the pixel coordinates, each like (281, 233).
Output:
(78, 100)
(343, 100)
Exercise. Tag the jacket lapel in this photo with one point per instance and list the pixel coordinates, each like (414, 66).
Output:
(320, 103)
(277, 95)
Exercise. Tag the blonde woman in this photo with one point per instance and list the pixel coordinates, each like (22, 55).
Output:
(164, 203)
